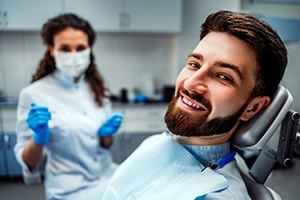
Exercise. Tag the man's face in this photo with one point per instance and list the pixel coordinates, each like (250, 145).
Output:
(213, 89)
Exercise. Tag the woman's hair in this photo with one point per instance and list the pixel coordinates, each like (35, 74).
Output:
(271, 54)
(47, 65)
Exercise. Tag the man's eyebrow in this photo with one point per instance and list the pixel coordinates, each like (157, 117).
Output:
(220, 64)
(233, 67)
(196, 55)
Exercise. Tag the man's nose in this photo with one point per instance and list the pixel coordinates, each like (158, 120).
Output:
(198, 81)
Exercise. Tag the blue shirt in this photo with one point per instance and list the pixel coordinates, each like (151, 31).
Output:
(75, 160)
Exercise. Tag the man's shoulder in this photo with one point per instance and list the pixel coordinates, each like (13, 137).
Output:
(236, 186)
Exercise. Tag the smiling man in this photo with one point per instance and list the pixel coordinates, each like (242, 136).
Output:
(229, 77)
(214, 91)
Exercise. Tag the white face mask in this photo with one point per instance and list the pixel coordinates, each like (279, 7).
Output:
(72, 64)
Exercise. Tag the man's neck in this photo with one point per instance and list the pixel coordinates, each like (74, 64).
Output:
(202, 140)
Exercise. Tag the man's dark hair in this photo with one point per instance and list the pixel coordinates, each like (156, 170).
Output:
(270, 51)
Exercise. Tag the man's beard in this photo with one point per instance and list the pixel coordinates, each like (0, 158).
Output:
(180, 122)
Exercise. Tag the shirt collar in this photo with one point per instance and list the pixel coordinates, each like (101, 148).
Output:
(209, 154)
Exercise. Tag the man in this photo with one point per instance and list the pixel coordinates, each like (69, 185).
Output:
(229, 77)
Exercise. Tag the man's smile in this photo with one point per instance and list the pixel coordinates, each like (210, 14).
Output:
(192, 103)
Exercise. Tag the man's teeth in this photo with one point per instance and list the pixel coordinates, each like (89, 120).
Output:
(191, 104)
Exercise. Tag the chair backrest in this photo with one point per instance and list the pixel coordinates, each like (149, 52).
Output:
(252, 136)
(257, 191)
(255, 133)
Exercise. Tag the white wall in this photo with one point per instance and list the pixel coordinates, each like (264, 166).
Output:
(19, 55)
(288, 11)
(127, 60)
(123, 60)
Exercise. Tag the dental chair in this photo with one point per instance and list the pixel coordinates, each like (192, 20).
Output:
(255, 157)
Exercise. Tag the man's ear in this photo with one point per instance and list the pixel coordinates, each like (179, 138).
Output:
(255, 105)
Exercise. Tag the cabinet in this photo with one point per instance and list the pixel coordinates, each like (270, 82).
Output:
(103, 15)
(27, 15)
(146, 119)
(139, 122)
(142, 118)
(125, 144)
(8, 163)
(156, 16)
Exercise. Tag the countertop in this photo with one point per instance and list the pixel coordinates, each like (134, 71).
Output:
(8, 102)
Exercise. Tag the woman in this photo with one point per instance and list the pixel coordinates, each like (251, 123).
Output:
(64, 115)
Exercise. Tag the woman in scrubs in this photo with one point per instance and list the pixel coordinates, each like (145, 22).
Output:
(64, 117)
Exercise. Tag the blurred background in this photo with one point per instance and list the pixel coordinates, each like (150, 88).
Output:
(141, 47)
(139, 44)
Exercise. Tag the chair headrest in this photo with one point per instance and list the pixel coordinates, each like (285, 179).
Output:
(255, 133)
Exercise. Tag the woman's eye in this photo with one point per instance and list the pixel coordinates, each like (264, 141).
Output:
(81, 48)
(64, 49)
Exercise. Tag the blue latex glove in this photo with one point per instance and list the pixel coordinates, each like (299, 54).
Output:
(111, 126)
(37, 121)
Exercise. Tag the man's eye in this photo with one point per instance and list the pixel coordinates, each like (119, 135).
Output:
(195, 65)
(226, 78)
